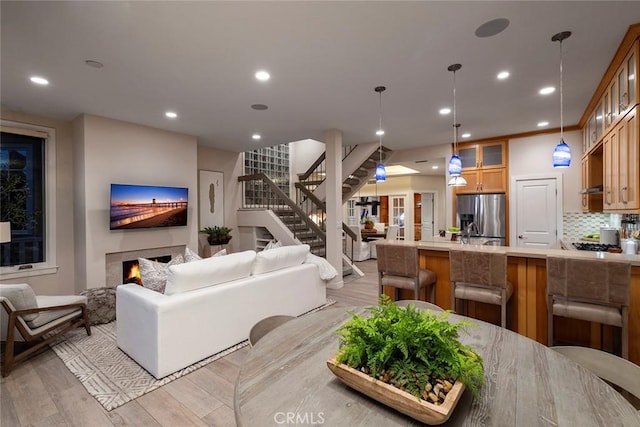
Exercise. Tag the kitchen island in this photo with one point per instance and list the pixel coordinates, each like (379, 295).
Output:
(526, 270)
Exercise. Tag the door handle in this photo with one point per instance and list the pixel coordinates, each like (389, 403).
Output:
(520, 236)
(623, 190)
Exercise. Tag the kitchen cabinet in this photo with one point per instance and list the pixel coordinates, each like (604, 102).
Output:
(484, 167)
(592, 184)
(626, 81)
(621, 169)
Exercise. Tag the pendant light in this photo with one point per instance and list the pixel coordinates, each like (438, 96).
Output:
(562, 152)
(381, 172)
(455, 163)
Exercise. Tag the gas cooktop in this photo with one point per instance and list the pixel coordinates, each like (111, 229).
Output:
(599, 247)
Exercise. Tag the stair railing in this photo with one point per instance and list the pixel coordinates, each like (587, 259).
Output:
(265, 194)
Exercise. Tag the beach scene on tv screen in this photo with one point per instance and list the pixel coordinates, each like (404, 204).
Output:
(138, 206)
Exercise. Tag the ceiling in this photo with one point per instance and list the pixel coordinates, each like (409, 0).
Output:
(325, 59)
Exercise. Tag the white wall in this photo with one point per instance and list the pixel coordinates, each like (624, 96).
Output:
(113, 151)
(302, 155)
(532, 155)
(230, 164)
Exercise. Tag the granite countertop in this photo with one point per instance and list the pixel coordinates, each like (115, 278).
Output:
(444, 244)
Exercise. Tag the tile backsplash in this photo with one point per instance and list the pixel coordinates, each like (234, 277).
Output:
(575, 224)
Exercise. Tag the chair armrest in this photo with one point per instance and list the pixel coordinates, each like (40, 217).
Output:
(82, 306)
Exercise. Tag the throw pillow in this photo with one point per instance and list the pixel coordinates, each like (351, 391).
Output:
(273, 244)
(220, 253)
(190, 255)
(154, 274)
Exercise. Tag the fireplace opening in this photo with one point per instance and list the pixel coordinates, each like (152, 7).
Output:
(131, 269)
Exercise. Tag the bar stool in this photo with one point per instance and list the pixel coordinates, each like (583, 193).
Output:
(482, 277)
(398, 267)
(595, 290)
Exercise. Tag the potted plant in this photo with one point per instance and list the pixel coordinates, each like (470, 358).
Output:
(217, 235)
(408, 359)
(368, 223)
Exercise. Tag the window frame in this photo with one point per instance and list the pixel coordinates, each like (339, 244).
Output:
(49, 266)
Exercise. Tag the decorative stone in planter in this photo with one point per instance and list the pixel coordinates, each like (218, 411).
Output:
(408, 404)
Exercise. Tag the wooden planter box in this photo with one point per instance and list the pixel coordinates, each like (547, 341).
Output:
(397, 399)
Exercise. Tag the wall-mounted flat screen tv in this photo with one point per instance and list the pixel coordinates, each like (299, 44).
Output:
(147, 206)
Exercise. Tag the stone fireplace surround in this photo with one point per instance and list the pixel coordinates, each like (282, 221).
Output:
(114, 260)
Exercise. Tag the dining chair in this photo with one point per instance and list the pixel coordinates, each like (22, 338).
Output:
(611, 368)
(37, 319)
(594, 290)
(398, 266)
(266, 325)
(361, 250)
(392, 234)
(482, 277)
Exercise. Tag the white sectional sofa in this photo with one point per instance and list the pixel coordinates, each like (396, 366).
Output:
(211, 304)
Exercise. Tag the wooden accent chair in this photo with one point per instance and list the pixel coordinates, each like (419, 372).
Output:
(266, 325)
(595, 290)
(38, 319)
(398, 267)
(482, 277)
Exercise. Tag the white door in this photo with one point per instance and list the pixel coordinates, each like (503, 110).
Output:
(426, 212)
(536, 213)
(396, 214)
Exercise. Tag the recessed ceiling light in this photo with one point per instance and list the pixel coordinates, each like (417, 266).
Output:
(503, 75)
(434, 167)
(547, 90)
(171, 114)
(94, 64)
(466, 135)
(259, 107)
(543, 124)
(380, 132)
(444, 111)
(256, 136)
(263, 76)
(39, 80)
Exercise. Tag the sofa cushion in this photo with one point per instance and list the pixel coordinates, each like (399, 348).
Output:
(278, 258)
(208, 272)
(153, 274)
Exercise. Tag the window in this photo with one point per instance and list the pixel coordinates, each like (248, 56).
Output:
(274, 163)
(27, 200)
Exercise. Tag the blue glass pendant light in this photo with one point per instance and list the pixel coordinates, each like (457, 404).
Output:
(455, 163)
(381, 172)
(562, 152)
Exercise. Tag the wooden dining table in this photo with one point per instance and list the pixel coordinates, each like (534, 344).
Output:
(285, 381)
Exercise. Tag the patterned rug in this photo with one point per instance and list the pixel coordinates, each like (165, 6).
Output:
(111, 376)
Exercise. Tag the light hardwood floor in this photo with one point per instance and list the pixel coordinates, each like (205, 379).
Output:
(42, 392)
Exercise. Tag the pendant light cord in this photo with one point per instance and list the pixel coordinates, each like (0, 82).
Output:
(561, 100)
(380, 128)
(455, 129)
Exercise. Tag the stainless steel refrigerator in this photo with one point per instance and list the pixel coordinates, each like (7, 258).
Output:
(487, 212)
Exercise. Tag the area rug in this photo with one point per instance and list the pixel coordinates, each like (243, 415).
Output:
(108, 374)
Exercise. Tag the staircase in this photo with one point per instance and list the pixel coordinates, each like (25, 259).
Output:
(304, 218)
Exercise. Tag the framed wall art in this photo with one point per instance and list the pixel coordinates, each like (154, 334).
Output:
(211, 198)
